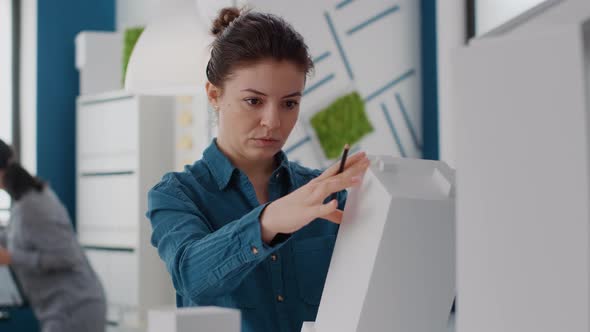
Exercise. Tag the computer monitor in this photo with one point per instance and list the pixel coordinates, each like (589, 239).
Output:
(10, 292)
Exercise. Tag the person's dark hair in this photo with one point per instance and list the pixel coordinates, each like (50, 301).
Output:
(244, 37)
(17, 181)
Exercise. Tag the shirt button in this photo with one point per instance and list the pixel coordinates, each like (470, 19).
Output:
(255, 250)
(277, 176)
(273, 257)
(280, 298)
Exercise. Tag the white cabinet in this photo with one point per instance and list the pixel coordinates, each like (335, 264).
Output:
(194, 129)
(118, 271)
(125, 143)
(98, 60)
(108, 217)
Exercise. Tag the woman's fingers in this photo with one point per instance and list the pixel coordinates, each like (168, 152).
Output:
(335, 216)
(344, 180)
(328, 211)
(333, 170)
(332, 185)
(358, 168)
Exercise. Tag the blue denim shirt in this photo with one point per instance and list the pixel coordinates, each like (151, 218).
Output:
(206, 228)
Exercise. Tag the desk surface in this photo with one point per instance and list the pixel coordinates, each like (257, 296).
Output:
(451, 327)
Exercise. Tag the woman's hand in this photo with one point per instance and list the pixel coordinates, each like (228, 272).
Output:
(290, 213)
(5, 257)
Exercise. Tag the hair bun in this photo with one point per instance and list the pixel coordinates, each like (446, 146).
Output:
(224, 19)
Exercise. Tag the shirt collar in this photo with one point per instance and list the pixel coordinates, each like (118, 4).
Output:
(284, 166)
(222, 169)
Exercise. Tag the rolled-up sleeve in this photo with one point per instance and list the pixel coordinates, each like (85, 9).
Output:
(203, 263)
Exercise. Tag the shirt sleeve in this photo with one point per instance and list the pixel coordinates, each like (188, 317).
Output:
(50, 245)
(203, 263)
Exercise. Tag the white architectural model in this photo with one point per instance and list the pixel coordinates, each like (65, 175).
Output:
(196, 319)
(393, 266)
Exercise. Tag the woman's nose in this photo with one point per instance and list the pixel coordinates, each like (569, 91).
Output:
(270, 118)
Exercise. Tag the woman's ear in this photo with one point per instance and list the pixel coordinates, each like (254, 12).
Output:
(213, 94)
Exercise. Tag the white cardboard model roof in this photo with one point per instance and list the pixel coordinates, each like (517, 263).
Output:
(393, 264)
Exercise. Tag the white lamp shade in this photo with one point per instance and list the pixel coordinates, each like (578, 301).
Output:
(171, 55)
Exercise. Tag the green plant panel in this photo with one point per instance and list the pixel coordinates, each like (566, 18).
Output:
(131, 37)
(344, 121)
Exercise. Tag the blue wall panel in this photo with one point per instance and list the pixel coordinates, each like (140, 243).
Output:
(57, 86)
(429, 80)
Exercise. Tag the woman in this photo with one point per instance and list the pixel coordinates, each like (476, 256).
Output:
(243, 227)
(40, 246)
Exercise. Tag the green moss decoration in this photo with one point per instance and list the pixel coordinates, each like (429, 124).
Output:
(131, 37)
(344, 121)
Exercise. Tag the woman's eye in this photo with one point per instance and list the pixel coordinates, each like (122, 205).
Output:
(291, 104)
(253, 101)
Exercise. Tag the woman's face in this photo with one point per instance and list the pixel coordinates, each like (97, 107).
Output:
(257, 108)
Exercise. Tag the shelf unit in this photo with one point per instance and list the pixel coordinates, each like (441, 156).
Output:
(125, 143)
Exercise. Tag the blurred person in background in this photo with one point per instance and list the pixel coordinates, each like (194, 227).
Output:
(40, 246)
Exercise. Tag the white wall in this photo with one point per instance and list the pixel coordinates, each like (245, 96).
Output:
(5, 68)
(28, 85)
(28, 88)
(378, 54)
(132, 13)
(5, 90)
(450, 31)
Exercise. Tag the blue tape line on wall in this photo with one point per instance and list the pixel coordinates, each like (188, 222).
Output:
(389, 85)
(321, 57)
(343, 4)
(318, 84)
(393, 130)
(373, 19)
(339, 45)
(413, 133)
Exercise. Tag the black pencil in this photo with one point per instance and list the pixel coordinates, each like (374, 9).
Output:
(341, 169)
(343, 160)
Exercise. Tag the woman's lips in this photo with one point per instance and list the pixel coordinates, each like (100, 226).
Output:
(266, 142)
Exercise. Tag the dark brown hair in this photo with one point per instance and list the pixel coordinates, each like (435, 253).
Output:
(244, 37)
(17, 181)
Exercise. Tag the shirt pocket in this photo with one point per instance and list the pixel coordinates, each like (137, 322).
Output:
(312, 259)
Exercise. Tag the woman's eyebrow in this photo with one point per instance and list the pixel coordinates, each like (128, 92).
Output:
(294, 94)
(255, 91)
